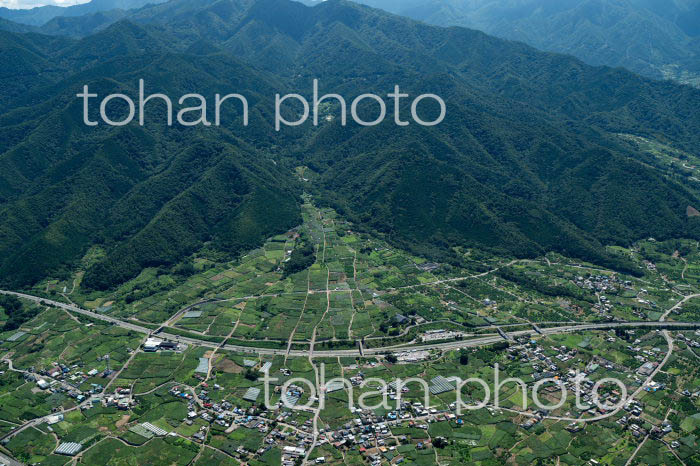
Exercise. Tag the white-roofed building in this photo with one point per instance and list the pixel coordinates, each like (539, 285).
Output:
(152, 344)
(68, 448)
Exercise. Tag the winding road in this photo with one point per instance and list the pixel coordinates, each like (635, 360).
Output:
(473, 342)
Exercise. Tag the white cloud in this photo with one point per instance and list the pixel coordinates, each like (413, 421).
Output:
(34, 3)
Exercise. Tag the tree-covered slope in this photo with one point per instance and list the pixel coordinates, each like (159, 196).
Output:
(11, 26)
(41, 15)
(526, 161)
(657, 38)
(149, 194)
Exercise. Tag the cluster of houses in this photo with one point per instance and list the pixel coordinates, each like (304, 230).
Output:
(601, 283)
(73, 375)
(546, 367)
(690, 341)
(220, 413)
(64, 379)
(534, 419)
(121, 399)
(369, 432)
(633, 421)
(604, 308)
(647, 357)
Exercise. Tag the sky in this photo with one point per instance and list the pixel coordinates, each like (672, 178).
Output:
(34, 3)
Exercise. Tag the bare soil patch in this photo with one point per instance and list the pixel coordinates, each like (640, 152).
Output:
(229, 367)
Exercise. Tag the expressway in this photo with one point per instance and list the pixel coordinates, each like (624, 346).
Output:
(446, 346)
(453, 345)
(6, 460)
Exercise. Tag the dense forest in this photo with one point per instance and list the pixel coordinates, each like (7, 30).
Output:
(656, 38)
(16, 312)
(303, 256)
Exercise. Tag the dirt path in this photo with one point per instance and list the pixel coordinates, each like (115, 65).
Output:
(677, 305)
(636, 450)
(685, 267)
(303, 310)
(213, 352)
(123, 421)
(199, 454)
(317, 411)
(71, 316)
(116, 375)
(156, 388)
(352, 299)
(328, 305)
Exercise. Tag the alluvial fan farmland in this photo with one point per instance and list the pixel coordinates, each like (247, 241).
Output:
(516, 284)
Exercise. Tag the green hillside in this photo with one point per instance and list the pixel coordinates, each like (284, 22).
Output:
(528, 159)
(656, 38)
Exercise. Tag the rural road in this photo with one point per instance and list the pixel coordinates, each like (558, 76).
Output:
(486, 340)
(678, 304)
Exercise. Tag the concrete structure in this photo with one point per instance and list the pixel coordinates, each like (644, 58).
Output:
(152, 344)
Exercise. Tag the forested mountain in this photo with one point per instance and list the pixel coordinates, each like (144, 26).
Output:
(84, 25)
(656, 38)
(152, 193)
(43, 14)
(11, 26)
(526, 161)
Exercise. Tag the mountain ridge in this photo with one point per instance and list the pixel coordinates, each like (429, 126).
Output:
(39, 16)
(527, 160)
(656, 39)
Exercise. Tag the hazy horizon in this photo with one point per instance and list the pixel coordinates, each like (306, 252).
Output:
(28, 4)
